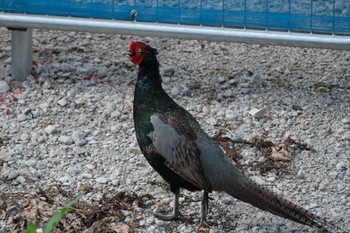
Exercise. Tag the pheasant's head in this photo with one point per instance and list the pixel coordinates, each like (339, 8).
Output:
(140, 52)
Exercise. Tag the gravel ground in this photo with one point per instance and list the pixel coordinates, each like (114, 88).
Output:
(69, 125)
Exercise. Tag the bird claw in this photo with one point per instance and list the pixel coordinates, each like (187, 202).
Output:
(164, 217)
(203, 223)
(203, 226)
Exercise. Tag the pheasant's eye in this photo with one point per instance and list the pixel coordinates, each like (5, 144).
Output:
(138, 50)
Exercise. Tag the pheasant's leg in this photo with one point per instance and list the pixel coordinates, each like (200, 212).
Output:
(176, 213)
(204, 209)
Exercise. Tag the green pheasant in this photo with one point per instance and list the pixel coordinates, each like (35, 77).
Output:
(186, 157)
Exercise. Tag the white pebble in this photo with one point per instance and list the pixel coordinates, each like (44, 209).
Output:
(78, 138)
(25, 137)
(101, 180)
(63, 102)
(67, 140)
(346, 120)
(135, 151)
(51, 129)
(22, 117)
(257, 113)
(341, 166)
(4, 87)
(63, 179)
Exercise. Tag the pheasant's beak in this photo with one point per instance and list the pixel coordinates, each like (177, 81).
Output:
(126, 53)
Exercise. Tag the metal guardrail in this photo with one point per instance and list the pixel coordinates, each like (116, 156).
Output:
(303, 23)
(321, 16)
(176, 31)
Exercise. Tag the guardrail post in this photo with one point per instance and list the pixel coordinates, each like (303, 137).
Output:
(21, 53)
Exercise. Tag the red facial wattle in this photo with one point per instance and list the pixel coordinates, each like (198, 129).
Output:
(137, 52)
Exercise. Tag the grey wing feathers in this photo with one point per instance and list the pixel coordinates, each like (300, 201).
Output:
(180, 151)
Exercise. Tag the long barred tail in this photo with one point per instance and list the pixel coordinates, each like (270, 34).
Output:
(265, 199)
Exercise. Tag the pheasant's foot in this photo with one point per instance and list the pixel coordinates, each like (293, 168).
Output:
(203, 227)
(203, 224)
(165, 217)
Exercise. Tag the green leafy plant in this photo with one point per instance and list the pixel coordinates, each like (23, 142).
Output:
(54, 220)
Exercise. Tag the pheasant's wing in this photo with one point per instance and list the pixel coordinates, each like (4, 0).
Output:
(173, 138)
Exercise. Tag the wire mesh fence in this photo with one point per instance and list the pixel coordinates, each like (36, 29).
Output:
(318, 16)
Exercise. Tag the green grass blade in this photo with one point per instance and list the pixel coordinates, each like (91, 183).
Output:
(57, 216)
(31, 228)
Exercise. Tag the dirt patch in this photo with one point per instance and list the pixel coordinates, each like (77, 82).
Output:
(104, 215)
(277, 156)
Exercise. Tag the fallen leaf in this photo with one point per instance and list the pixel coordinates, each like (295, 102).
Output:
(280, 153)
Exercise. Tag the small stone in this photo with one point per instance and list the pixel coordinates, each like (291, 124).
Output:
(227, 201)
(237, 138)
(21, 179)
(86, 176)
(275, 122)
(287, 72)
(232, 82)
(271, 179)
(297, 107)
(27, 111)
(229, 93)
(22, 117)
(47, 84)
(101, 180)
(135, 151)
(41, 165)
(121, 228)
(294, 113)
(63, 179)
(102, 72)
(89, 166)
(212, 121)
(301, 174)
(257, 80)
(19, 148)
(195, 84)
(67, 140)
(4, 87)
(79, 101)
(168, 72)
(73, 170)
(22, 102)
(341, 167)
(78, 138)
(333, 174)
(79, 151)
(257, 113)
(245, 90)
(322, 89)
(51, 129)
(63, 102)
(221, 80)
(206, 109)
(85, 71)
(12, 175)
(346, 136)
(24, 137)
(346, 120)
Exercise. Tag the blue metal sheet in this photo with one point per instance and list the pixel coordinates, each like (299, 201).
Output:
(326, 16)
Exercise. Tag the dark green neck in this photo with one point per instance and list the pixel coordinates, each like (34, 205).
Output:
(149, 73)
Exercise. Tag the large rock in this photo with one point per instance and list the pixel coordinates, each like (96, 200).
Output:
(4, 87)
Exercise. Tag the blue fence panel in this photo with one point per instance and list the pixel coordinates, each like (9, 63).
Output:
(235, 13)
(300, 18)
(168, 11)
(342, 16)
(279, 14)
(325, 16)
